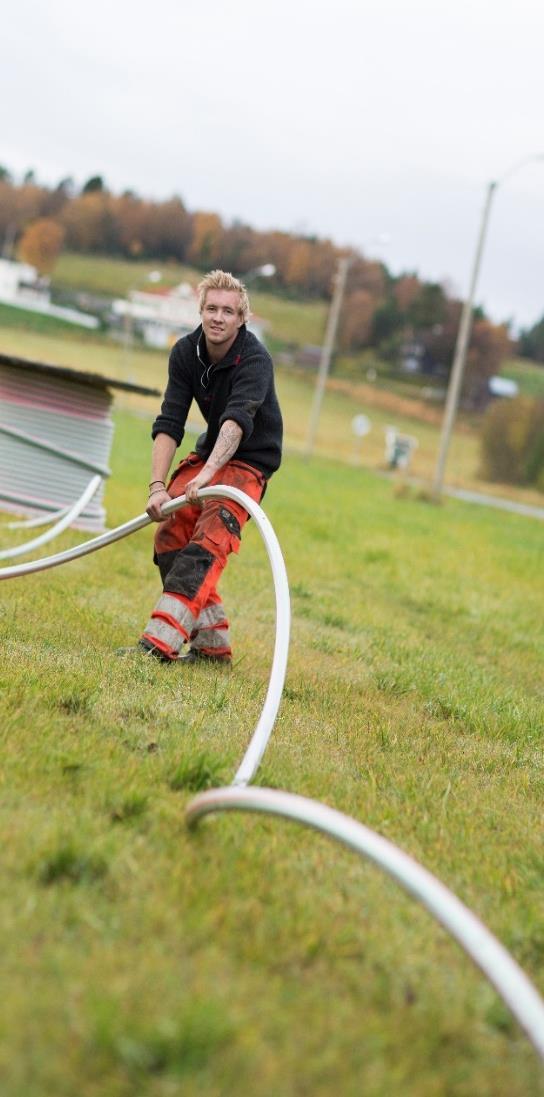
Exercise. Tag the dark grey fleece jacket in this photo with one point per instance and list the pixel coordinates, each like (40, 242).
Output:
(240, 387)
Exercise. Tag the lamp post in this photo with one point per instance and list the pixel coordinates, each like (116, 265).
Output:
(463, 334)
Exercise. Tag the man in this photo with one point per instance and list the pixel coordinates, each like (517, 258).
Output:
(229, 373)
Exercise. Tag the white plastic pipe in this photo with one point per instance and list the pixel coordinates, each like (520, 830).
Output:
(485, 950)
(40, 520)
(68, 517)
(261, 735)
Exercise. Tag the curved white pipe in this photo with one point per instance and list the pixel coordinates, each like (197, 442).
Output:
(267, 718)
(62, 524)
(40, 520)
(485, 950)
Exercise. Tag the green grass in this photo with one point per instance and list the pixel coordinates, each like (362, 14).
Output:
(115, 277)
(24, 321)
(529, 376)
(253, 957)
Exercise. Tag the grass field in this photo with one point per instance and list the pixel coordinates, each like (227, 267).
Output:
(255, 959)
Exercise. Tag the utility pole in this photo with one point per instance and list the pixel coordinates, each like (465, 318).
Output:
(461, 347)
(463, 335)
(327, 349)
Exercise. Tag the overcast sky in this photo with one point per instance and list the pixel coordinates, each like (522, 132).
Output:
(349, 119)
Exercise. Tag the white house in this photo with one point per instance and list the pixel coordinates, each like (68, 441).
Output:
(162, 316)
(19, 283)
(22, 287)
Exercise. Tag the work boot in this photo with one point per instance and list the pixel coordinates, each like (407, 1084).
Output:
(194, 655)
(141, 648)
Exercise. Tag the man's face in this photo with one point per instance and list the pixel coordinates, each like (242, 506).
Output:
(221, 316)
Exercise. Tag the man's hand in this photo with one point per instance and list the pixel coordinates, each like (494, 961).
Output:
(155, 502)
(226, 445)
(200, 481)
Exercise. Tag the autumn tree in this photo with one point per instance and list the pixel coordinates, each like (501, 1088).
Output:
(275, 248)
(490, 344)
(30, 203)
(168, 229)
(206, 240)
(130, 215)
(298, 270)
(405, 290)
(368, 275)
(357, 317)
(41, 244)
(239, 250)
(87, 221)
(324, 263)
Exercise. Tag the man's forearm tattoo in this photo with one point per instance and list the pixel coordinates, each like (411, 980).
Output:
(226, 445)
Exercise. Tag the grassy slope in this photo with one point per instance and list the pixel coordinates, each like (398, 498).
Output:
(254, 958)
(114, 277)
(529, 376)
(36, 323)
(290, 321)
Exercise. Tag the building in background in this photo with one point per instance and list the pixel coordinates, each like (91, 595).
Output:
(21, 287)
(160, 316)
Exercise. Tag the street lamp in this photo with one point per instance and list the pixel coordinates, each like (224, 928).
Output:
(465, 325)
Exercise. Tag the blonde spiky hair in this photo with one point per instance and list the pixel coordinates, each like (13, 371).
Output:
(222, 279)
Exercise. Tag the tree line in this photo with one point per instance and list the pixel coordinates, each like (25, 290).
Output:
(395, 315)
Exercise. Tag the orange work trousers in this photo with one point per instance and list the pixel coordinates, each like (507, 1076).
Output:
(191, 550)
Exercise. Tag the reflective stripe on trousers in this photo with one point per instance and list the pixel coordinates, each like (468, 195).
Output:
(170, 624)
(211, 633)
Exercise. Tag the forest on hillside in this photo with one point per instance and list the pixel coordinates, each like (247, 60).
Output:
(401, 316)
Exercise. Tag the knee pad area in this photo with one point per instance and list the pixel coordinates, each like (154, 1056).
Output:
(185, 571)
